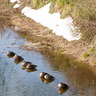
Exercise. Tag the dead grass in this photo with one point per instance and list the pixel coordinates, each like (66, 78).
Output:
(82, 11)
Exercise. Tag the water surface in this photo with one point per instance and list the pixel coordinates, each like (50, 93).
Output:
(17, 81)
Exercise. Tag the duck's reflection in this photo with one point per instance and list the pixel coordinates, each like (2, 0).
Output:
(44, 80)
(10, 56)
(31, 70)
(61, 90)
(23, 67)
(48, 81)
(16, 61)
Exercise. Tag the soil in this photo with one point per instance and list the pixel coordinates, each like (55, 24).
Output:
(75, 49)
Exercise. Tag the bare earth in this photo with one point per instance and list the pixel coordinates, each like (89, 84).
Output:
(74, 49)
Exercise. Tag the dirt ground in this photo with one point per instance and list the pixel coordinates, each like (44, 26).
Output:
(75, 49)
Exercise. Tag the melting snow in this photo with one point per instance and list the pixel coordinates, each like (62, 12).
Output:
(62, 27)
(16, 6)
(12, 1)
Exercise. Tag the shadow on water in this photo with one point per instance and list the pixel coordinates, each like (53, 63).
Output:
(79, 77)
(16, 80)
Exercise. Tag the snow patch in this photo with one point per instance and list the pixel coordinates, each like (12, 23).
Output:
(16, 6)
(62, 27)
(12, 1)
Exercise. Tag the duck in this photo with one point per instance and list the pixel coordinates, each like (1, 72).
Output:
(63, 85)
(24, 63)
(49, 77)
(17, 57)
(42, 74)
(29, 66)
(10, 53)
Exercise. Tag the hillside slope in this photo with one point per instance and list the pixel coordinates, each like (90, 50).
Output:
(81, 50)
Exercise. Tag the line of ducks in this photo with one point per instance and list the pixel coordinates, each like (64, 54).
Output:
(29, 65)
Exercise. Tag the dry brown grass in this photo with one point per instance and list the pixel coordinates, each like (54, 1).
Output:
(82, 11)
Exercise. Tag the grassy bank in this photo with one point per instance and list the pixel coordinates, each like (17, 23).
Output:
(82, 11)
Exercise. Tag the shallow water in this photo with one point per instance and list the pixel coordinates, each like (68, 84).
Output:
(17, 81)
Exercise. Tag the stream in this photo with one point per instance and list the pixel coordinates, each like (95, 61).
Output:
(18, 81)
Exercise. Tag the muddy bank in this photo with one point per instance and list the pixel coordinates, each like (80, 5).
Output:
(78, 50)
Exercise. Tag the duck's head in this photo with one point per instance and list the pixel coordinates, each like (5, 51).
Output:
(28, 65)
(59, 85)
(8, 52)
(47, 75)
(23, 63)
(15, 56)
(42, 74)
